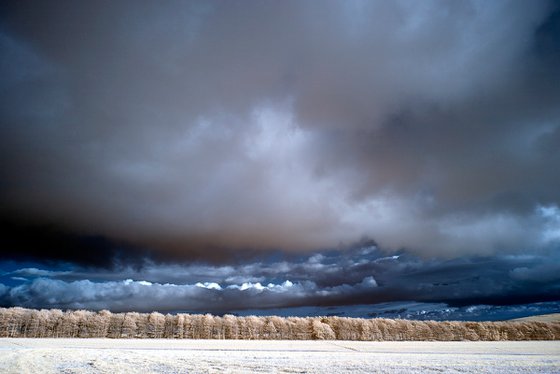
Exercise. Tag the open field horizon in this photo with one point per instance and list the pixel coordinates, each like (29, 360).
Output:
(553, 317)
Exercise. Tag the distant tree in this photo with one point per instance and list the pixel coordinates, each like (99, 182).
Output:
(300, 328)
(188, 327)
(98, 324)
(169, 326)
(31, 324)
(129, 325)
(20, 322)
(196, 326)
(13, 322)
(269, 331)
(321, 330)
(70, 325)
(55, 319)
(207, 326)
(115, 325)
(179, 326)
(231, 328)
(282, 327)
(254, 327)
(155, 325)
(374, 331)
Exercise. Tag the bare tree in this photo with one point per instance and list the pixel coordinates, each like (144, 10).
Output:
(179, 326)
(231, 328)
(321, 330)
(129, 325)
(98, 324)
(269, 331)
(115, 325)
(155, 325)
(168, 326)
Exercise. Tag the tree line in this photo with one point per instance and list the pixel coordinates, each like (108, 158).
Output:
(54, 323)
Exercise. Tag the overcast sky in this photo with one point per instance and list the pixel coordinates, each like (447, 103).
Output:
(149, 141)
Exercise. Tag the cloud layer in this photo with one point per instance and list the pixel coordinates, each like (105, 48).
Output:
(207, 127)
(333, 278)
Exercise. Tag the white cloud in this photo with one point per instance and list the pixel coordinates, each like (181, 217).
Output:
(209, 285)
(551, 216)
(130, 294)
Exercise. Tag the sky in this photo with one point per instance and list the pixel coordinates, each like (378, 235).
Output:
(213, 156)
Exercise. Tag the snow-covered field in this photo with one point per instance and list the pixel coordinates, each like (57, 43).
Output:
(246, 356)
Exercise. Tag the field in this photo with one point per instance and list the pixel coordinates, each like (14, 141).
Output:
(20, 355)
(542, 318)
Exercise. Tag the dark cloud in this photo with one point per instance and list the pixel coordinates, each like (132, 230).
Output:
(200, 129)
(416, 311)
(48, 243)
(333, 278)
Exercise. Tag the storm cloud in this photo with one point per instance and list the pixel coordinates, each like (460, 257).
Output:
(205, 129)
(350, 280)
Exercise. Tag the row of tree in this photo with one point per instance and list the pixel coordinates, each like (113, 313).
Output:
(54, 323)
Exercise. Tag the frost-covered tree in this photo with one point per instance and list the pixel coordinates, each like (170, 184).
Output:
(322, 331)
(155, 325)
(231, 327)
(20, 322)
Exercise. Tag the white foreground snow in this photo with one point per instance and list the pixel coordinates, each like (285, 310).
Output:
(246, 356)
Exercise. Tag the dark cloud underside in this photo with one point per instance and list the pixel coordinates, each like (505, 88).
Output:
(200, 129)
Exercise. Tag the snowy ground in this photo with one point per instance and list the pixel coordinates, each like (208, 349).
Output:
(242, 356)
